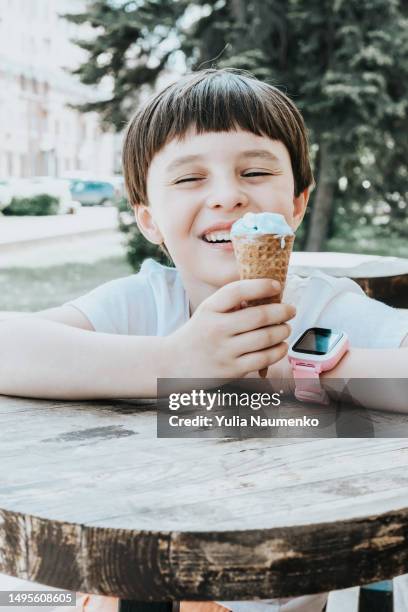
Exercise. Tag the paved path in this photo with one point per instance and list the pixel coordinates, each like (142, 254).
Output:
(80, 248)
(26, 229)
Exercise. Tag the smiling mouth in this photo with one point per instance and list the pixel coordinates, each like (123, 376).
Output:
(221, 237)
(204, 239)
(218, 244)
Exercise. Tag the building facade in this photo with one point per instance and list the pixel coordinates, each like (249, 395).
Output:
(39, 133)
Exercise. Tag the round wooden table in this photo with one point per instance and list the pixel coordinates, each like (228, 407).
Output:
(91, 500)
(382, 278)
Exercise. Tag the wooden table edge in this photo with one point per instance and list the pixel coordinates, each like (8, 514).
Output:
(223, 565)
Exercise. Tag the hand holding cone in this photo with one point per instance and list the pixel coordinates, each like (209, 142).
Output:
(263, 256)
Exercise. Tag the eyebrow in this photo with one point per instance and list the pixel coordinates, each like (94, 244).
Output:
(249, 154)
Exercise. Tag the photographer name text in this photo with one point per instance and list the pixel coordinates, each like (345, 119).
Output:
(238, 421)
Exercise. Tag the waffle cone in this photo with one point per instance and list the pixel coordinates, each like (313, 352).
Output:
(262, 257)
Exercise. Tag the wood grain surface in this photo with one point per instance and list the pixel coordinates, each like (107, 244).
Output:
(92, 501)
(382, 278)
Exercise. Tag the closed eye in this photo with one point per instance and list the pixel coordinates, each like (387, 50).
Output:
(188, 180)
(249, 175)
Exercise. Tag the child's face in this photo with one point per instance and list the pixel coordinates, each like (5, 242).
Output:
(232, 173)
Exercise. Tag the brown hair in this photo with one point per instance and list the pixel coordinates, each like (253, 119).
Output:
(213, 100)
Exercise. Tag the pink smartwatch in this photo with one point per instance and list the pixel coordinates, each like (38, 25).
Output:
(315, 350)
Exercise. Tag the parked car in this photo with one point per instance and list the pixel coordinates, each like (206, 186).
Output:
(93, 193)
(5, 194)
(59, 188)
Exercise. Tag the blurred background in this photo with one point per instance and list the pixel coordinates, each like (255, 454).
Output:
(73, 71)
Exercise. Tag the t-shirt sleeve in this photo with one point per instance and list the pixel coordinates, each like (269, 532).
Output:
(122, 306)
(368, 323)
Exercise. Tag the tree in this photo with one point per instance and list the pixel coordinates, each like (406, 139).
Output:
(344, 62)
(130, 46)
(352, 88)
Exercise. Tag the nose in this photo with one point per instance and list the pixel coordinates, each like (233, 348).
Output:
(227, 195)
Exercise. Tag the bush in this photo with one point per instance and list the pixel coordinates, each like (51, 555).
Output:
(137, 247)
(39, 205)
(123, 205)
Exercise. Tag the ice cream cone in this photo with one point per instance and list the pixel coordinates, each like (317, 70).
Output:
(263, 256)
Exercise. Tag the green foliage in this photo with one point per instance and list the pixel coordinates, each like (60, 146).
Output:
(343, 62)
(369, 240)
(138, 248)
(39, 205)
(352, 85)
(130, 46)
(123, 205)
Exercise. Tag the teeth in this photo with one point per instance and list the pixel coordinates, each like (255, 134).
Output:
(214, 236)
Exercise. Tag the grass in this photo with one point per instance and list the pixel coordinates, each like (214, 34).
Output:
(387, 246)
(28, 289)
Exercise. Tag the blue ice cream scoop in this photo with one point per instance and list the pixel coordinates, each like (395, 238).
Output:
(262, 223)
(256, 224)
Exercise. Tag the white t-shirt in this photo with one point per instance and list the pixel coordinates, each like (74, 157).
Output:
(154, 303)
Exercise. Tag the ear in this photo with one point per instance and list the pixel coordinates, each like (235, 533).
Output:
(299, 206)
(146, 224)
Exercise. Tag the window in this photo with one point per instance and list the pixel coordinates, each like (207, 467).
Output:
(9, 157)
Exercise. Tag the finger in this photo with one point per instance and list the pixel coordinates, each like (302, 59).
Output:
(259, 339)
(243, 304)
(231, 295)
(255, 317)
(263, 359)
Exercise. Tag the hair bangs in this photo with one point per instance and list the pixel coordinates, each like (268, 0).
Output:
(215, 105)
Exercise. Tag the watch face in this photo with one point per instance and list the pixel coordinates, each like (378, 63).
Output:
(317, 341)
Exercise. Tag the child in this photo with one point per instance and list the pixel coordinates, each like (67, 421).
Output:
(197, 156)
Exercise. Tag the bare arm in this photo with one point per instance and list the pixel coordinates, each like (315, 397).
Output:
(48, 359)
(55, 354)
(386, 373)
(68, 315)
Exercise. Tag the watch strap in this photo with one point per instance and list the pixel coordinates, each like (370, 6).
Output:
(308, 387)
